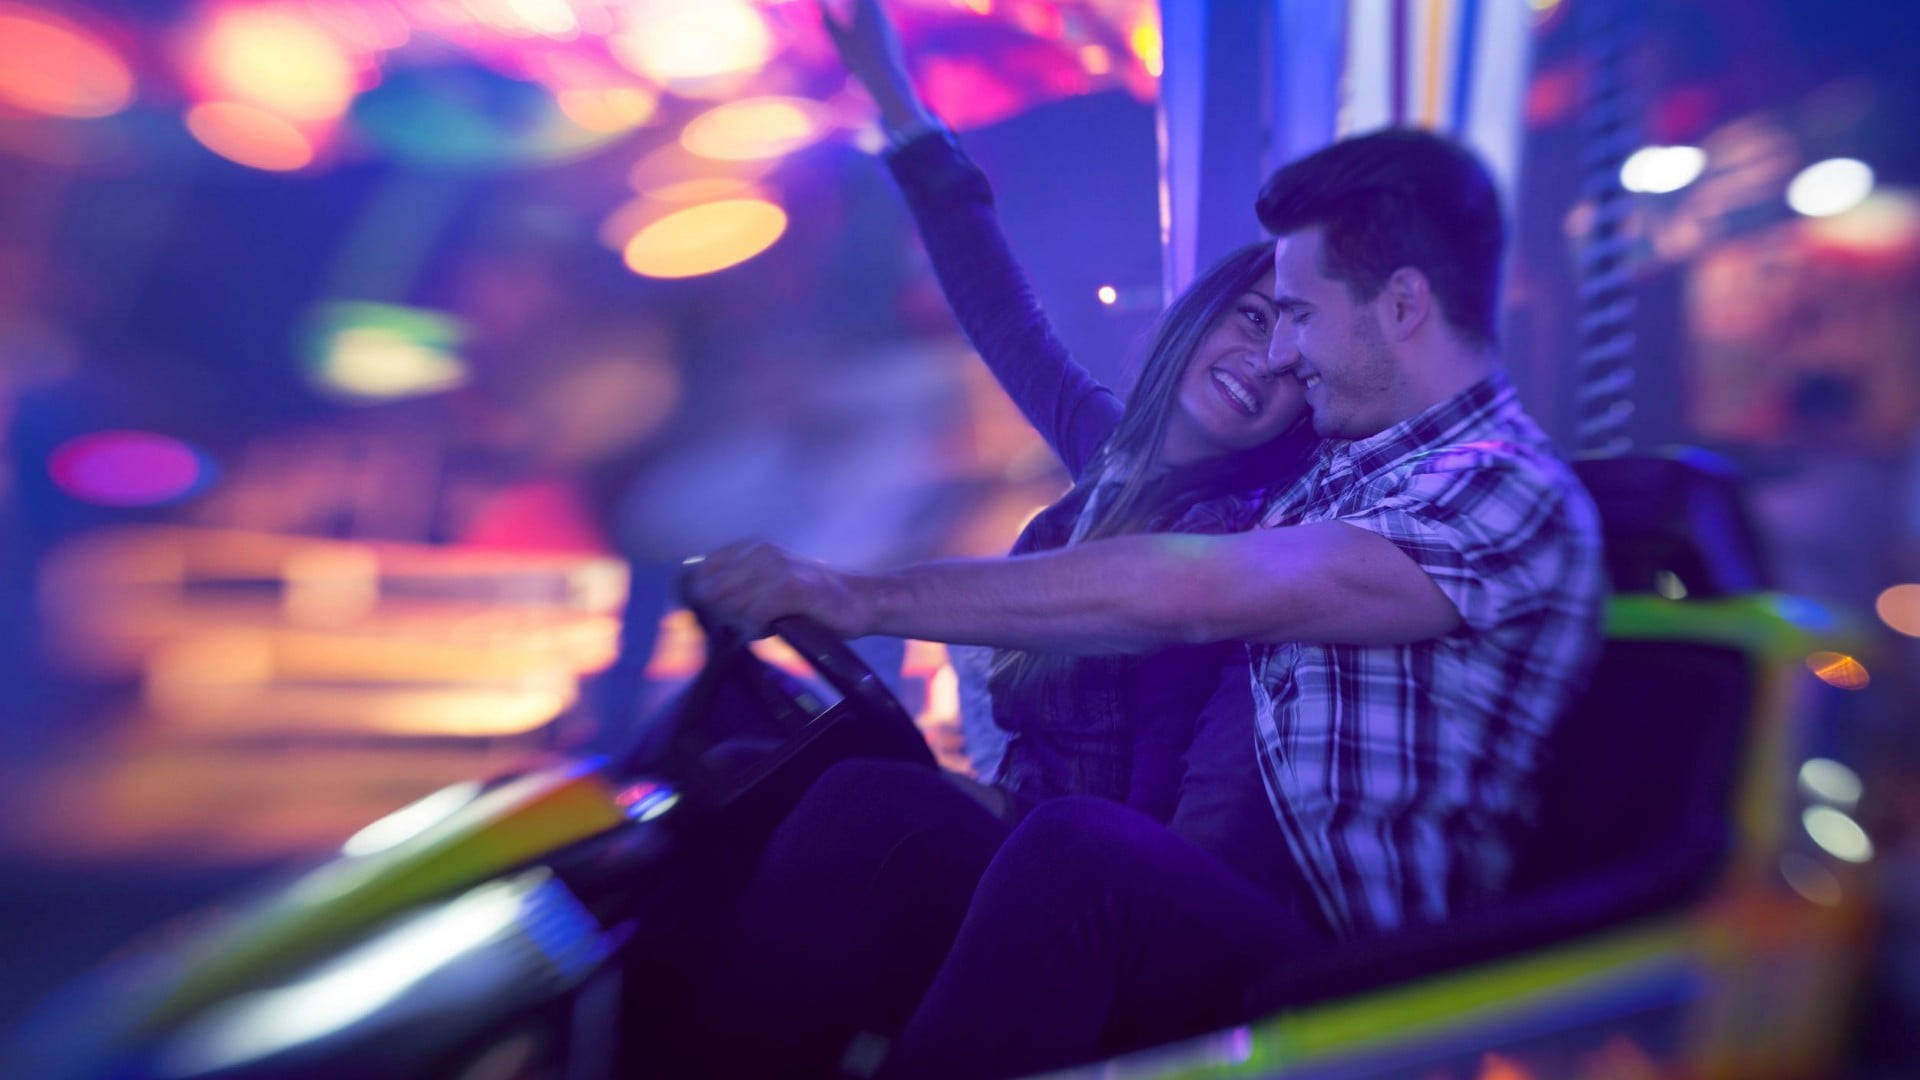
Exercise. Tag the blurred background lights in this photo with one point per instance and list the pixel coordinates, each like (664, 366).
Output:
(1828, 781)
(1899, 608)
(1147, 44)
(705, 238)
(277, 61)
(1107, 294)
(53, 66)
(128, 468)
(1814, 882)
(377, 352)
(612, 110)
(249, 136)
(1656, 170)
(1837, 834)
(1839, 670)
(1830, 187)
(675, 43)
(549, 18)
(761, 127)
(711, 189)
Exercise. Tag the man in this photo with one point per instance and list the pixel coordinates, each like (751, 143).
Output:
(1419, 608)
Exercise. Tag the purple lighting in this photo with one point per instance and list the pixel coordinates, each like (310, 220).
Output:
(128, 468)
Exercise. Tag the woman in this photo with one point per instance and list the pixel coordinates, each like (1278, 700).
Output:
(1205, 432)
(863, 887)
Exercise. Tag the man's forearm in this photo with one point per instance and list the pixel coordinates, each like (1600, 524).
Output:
(1127, 594)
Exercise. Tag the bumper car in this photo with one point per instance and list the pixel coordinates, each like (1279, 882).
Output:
(1693, 904)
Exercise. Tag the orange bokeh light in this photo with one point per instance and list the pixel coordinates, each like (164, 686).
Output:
(53, 66)
(276, 61)
(251, 136)
(705, 238)
(756, 128)
(1838, 670)
(609, 111)
(1899, 608)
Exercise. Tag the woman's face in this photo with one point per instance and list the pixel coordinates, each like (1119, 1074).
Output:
(1230, 398)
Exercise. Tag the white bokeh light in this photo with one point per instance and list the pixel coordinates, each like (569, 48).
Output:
(1657, 170)
(1830, 187)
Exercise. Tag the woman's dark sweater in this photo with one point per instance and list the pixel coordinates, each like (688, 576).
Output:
(1115, 727)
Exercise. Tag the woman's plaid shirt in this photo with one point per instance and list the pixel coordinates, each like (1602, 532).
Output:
(1400, 774)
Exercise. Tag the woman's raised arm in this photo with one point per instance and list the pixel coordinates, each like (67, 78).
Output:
(952, 205)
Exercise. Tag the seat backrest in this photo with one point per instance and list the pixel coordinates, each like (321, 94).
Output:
(1649, 756)
(1678, 513)
(1651, 752)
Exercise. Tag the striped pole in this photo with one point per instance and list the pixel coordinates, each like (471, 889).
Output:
(1604, 383)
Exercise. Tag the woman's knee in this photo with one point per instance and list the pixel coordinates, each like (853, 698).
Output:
(1077, 832)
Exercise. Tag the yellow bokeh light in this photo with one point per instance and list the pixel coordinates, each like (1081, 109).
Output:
(609, 111)
(1899, 608)
(278, 62)
(53, 66)
(251, 136)
(674, 43)
(1146, 44)
(1838, 669)
(705, 238)
(756, 128)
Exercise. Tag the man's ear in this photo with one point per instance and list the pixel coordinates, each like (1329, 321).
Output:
(1406, 303)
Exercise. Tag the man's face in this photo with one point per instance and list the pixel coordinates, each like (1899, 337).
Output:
(1331, 343)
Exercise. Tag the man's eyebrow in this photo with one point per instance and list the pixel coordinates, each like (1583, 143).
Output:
(1290, 304)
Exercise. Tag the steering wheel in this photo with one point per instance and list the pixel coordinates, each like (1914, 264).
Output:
(705, 758)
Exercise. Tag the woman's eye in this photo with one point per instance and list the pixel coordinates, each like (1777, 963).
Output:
(1258, 318)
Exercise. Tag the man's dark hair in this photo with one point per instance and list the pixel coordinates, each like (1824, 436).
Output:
(1394, 198)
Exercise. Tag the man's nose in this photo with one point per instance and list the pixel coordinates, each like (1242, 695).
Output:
(1282, 354)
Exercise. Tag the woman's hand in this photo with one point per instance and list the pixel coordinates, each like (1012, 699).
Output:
(870, 48)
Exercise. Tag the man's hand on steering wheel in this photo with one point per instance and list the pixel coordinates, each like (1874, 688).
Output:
(747, 585)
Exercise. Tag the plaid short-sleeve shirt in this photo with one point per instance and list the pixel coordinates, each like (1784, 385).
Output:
(1400, 774)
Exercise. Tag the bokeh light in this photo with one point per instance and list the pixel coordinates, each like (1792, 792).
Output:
(1146, 44)
(469, 116)
(54, 66)
(611, 110)
(1830, 187)
(1828, 781)
(128, 468)
(1837, 834)
(705, 238)
(693, 48)
(277, 61)
(1899, 608)
(1814, 882)
(1839, 670)
(762, 127)
(1657, 170)
(1108, 294)
(250, 136)
(364, 351)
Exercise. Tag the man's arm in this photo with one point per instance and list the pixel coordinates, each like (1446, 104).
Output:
(1324, 582)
